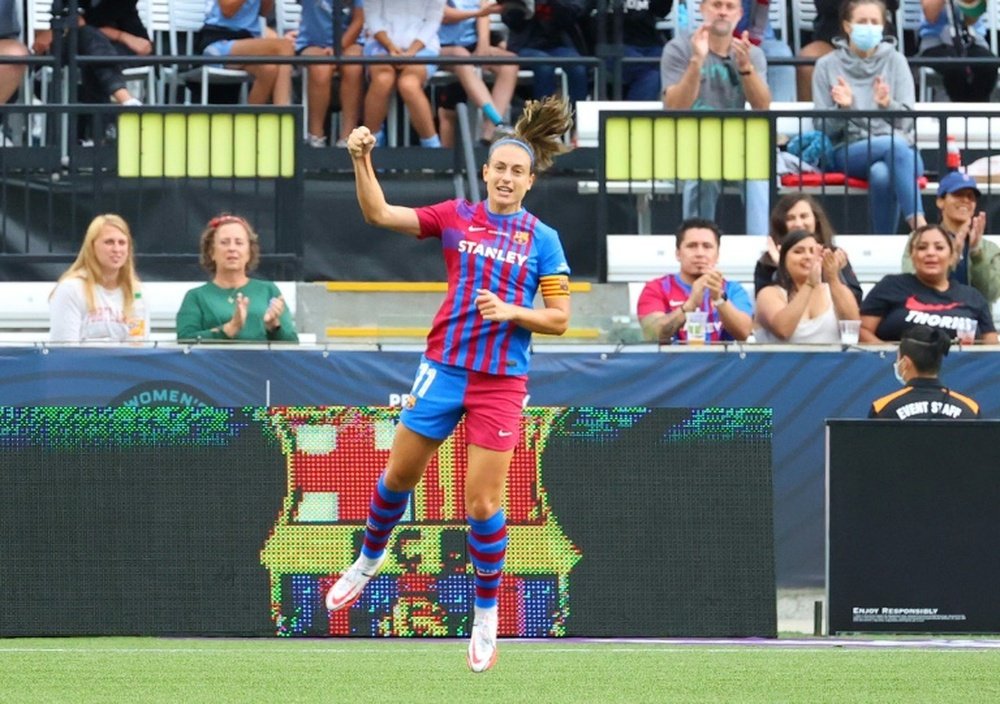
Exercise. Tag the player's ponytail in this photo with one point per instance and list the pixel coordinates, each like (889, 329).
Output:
(541, 126)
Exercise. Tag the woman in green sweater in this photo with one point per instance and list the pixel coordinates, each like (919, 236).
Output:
(232, 306)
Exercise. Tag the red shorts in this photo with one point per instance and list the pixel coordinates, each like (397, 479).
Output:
(492, 405)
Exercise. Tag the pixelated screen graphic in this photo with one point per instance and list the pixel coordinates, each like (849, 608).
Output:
(221, 521)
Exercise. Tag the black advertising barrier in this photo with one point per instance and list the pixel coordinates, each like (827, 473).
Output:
(913, 528)
(157, 520)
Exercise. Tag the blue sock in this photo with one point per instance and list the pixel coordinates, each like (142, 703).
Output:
(433, 142)
(385, 511)
(488, 550)
(491, 113)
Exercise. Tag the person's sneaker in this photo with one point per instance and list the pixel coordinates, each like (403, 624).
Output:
(483, 643)
(348, 588)
(132, 103)
(316, 141)
(341, 143)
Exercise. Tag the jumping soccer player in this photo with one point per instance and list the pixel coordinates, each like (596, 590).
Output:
(497, 256)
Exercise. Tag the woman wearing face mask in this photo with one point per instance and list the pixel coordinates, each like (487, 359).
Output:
(799, 211)
(918, 362)
(925, 297)
(801, 307)
(866, 73)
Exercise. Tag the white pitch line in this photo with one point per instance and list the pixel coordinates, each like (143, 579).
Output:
(291, 650)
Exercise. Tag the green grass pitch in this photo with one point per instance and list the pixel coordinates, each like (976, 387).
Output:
(278, 671)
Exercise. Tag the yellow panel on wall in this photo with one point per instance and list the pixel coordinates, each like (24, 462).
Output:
(245, 140)
(710, 152)
(198, 146)
(174, 145)
(128, 145)
(641, 148)
(287, 146)
(759, 149)
(732, 146)
(687, 148)
(616, 152)
(221, 145)
(665, 152)
(688, 131)
(150, 145)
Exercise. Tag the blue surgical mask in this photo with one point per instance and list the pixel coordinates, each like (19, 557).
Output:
(866, 36)
(895, 373)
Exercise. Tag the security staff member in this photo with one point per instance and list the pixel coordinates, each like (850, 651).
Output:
(917, 364)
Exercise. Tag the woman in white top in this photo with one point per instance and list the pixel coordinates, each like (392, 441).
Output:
(402, 28)
(96, 298)
(810, 297)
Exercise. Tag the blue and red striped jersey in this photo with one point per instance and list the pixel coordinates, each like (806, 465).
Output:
(505, 254)
(668, 293)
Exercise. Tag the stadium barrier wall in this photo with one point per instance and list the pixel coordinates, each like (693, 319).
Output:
(803, 389)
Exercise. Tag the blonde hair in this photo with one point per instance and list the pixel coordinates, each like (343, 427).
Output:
(541, 126)
(208, 242)
(88, 269)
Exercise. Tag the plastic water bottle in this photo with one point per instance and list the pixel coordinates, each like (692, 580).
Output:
(953, 156)
(137, 322)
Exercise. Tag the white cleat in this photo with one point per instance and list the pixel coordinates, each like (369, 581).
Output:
(348, 588)
(483, 643)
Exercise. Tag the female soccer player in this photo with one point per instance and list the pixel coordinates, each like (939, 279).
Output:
(497, 256)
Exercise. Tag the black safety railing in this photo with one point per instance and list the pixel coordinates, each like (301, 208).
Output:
(649, 156)
(166, 170)
(61, 163)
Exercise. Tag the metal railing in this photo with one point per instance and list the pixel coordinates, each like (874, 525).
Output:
(166, 170)
(651, 155)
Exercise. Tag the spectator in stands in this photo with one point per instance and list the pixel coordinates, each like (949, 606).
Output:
(867, 73)
(665, 302)
(104, 29)
(554, 29)
(498, 257)
(404, 29)
(959, 36)
(756, 22)
(810, 297)
(640, 39)
(978, 262)
(233, 28)
(925, 297)
(465, 31)
(10, 45)
(917, 365)
(232, 306)
(799, 211)
(315, 38)
(713, 70)
(826, 27)
(96, 298)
